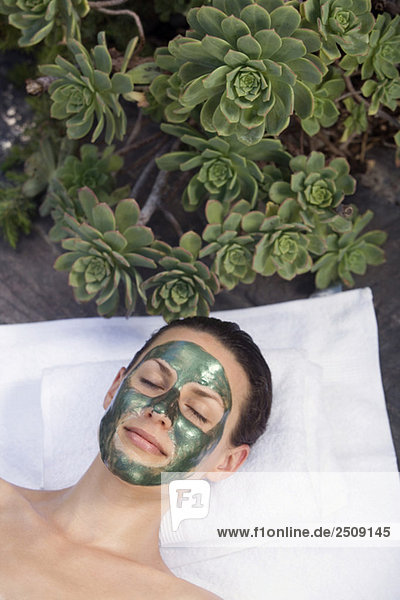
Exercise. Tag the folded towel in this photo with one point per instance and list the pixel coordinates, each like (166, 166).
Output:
(336, 332)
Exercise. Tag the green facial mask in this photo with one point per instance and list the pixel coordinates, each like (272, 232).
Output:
(191, 364)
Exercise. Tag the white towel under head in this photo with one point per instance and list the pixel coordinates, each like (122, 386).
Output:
(338, 333)
(72, 406)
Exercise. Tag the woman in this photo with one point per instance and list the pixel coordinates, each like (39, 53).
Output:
(194, 398)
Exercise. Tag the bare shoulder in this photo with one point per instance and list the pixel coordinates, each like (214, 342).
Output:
(7, 492)
(189, 591)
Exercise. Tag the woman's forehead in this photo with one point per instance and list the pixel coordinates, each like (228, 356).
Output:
(192, 363)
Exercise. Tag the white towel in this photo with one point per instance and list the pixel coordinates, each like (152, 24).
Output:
(336, 332)
(72, 406)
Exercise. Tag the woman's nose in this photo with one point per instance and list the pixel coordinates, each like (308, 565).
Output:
(156, 416)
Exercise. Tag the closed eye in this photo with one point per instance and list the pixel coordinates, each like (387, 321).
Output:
(197, 415)
(149, 383)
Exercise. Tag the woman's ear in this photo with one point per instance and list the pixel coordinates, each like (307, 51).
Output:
(233, 459)
(114, 386)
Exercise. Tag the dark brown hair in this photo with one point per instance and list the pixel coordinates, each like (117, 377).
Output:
(257, 408)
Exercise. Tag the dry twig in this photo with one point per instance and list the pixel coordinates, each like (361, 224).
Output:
(129, 13)
(153, 200)
(135, 130)
(140, 143)
(105, 3)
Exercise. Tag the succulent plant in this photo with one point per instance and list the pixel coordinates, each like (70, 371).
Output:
(350, 253)
(85, 90)
(317, 188)
(357, 121)
(227, 168)
(185, 287)
(233, 250)
(284, 243)
(386, 92)
(346, 23)
(37, 18)
(248, 63)
(383, 49)
(94, 171)
(104, 250)
(325, 112)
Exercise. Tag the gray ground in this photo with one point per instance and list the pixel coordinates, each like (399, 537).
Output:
(30, 289)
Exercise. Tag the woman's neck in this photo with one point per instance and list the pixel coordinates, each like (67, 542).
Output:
(103, 512)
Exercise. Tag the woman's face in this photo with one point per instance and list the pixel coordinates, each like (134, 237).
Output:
(173, 409)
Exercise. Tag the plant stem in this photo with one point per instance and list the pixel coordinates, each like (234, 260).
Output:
(153, 199)
(337, 151)
(135, 130)
(140, 143)
(129, 13)
(170, 217)
(105, 3)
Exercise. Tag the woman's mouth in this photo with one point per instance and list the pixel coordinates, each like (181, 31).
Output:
(144, 440)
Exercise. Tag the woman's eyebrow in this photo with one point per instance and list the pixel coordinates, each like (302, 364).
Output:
(165, 369)
(207, 393)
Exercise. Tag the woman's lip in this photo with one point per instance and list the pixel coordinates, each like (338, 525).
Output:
(144, 440)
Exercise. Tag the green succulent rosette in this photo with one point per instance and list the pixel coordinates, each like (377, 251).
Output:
(386, 92)
(105, 250)
(185, 287)
(284, 251)
(247, 63)
(317, 188)
(94, 170)
(383, 51)
(85, 91)
(226, 168)
(233, 250)
(325, 112)
(38, 18)
(350, 253)
(344, 23)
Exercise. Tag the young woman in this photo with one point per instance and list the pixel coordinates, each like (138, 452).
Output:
(194, 398)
